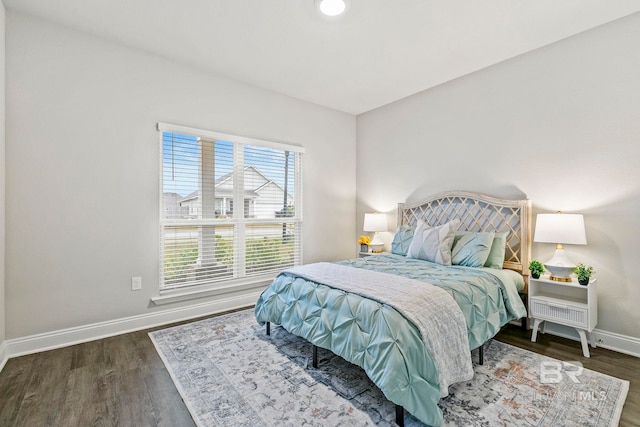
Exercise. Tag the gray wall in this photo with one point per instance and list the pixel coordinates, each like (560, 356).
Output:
(83, 170)
(559, 125)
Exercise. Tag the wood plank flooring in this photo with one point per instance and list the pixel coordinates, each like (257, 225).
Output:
(116, 381)
(121, 381)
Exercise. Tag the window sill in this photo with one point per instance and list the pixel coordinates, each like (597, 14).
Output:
(178, 295)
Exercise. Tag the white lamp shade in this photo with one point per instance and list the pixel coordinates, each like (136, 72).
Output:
(560, 228)
(375, 222)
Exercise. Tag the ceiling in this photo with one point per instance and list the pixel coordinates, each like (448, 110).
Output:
(379, 52)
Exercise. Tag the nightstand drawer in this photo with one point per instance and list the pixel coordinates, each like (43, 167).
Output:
(559, 311)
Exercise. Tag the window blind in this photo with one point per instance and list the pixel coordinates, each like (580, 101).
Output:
(230, 208)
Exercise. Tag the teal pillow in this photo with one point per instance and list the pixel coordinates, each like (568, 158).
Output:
(496, 255)
(471, 248)
(402, 240)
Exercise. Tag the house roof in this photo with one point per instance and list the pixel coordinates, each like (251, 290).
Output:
(225, 178)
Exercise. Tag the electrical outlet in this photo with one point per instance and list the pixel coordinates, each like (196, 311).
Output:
(136, 283)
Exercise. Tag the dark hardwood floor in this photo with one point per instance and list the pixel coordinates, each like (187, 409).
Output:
(122, 381)
(116, 381)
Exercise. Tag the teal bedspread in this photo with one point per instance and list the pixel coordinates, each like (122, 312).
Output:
(488, 297)
(377, 337)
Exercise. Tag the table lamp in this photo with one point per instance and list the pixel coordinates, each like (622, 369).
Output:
(375, 222)
(561, 229)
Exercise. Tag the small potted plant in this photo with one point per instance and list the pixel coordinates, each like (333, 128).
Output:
(364, 242)
(584, 273)
(536, 268)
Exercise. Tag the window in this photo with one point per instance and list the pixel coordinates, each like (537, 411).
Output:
(231, 208)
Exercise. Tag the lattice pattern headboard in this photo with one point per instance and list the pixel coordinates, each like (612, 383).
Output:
(478, 212)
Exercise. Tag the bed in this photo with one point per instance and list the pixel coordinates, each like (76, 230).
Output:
(408, 319)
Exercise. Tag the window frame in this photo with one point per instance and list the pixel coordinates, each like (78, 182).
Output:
(238, 220)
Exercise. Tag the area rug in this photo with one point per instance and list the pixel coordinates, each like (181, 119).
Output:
(230, 373)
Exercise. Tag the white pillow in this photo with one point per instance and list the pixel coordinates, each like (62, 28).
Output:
(433, 244)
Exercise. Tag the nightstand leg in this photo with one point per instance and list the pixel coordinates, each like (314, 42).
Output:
(592, 339)
(583, 340)
(534, 334)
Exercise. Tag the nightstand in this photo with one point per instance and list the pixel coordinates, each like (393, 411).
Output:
(564, 303)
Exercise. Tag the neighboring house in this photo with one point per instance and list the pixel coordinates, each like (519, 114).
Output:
(172, 207)
(263, 197)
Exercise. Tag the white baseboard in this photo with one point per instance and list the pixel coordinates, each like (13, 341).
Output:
(65, 337)
(605, 339)
(4, 355)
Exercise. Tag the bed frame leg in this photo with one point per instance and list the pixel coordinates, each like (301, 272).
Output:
(400, 415)
(315, 356)
(268, 328)
(481, 354)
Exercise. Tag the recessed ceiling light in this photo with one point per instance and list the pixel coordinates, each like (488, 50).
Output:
(332, 7)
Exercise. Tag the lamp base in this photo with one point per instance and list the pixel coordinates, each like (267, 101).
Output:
(377, 245)
(377, 249)
(561, 279)
(560, 267)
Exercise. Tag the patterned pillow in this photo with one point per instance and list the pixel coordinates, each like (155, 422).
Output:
(402, 240)
(471, 248)
(496, 255)
(433, 244)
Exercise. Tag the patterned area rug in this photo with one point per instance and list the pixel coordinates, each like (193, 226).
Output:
(230, 373)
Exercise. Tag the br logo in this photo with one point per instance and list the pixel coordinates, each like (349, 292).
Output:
(553, 371)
